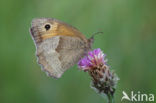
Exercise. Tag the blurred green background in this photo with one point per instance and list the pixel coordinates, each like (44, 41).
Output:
(129, 40)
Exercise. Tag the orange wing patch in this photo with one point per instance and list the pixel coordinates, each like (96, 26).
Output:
(62, 29)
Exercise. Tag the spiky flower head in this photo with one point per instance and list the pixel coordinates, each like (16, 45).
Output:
(103, 80)
(94, 59)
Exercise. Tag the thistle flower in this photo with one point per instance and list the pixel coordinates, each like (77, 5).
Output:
(103, 80)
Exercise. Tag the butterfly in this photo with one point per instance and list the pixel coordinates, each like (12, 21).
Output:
(58, 45)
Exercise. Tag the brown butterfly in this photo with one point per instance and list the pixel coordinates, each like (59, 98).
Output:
(58, 45)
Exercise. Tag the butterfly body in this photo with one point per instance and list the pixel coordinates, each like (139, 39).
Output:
(58, 45)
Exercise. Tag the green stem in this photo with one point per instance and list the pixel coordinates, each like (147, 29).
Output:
(110, 98)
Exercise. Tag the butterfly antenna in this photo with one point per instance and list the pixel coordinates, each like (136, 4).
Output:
(91, 39)
(96, 34)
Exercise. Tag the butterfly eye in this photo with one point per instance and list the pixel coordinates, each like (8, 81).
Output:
(47, 26)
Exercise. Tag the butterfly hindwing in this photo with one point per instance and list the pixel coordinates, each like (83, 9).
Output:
(59, 53)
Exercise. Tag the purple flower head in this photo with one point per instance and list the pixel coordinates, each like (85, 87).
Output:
(103, 80)
(94, 58)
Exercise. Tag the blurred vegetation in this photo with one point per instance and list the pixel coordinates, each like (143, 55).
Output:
(129, 40)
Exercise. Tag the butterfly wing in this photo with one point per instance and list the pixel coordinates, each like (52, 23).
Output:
(57, 52)
(71, 49)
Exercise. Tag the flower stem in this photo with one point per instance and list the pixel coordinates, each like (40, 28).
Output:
(110, 98)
